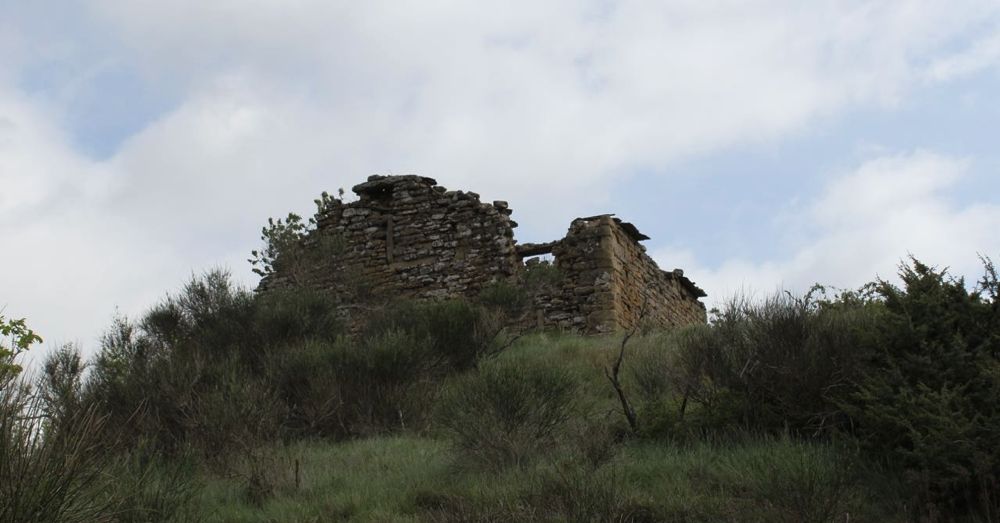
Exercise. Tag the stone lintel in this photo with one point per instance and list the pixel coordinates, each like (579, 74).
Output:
(535, 249)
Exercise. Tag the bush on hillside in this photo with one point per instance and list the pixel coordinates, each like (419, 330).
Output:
(928, 397)
(506, 413)
(775, 365)
(197, 368)
(287, 317)
(913, 372)
(457, 334)
(204, 366)
(383, 383)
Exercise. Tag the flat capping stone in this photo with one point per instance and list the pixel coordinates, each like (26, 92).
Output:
(688, 285)
(378, 184)
(535, 249)
(631, 230)
(595, 217)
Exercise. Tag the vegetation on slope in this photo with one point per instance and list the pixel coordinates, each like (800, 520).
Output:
(222, 405)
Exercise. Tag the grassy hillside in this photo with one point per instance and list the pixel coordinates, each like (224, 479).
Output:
(222, 405)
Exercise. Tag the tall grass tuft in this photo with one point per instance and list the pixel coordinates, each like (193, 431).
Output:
(51, 472)
(506, 413)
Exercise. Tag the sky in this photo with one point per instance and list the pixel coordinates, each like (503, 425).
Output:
(762, 145)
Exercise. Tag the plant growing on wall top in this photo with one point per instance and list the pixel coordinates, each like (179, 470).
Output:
(285, 248)
(21, 339)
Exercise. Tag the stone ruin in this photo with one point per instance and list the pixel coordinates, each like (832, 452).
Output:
(407, 237)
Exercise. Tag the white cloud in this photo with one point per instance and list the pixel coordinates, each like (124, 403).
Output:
(983, 54)
(544, 104)
(67, 261)
(524, 100)
(863, 226)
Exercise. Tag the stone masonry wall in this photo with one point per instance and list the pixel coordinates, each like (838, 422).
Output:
(407, 237)
(608, 282)
(644, 292)
(582, 298)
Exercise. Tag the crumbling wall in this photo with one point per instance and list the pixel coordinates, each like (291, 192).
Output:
(582, 297)
(608, 282)
(645, 293)
(407, 237)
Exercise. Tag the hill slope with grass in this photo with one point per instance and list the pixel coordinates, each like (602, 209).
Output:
(220, 404)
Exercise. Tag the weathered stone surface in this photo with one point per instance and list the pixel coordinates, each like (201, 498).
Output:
(407, 237)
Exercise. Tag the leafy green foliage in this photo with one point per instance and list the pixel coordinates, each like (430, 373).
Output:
(278, 237)
(928, 397)
(285, 245)
(21, 338)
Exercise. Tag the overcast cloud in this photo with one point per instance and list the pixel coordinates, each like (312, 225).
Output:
(142, 141)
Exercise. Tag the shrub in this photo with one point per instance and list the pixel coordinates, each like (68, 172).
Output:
(656, 382)
(210, 317)
(54, 453)
(927, 399)
(234, 411)
(139, 387)
(347, 388)
(912, 371)
(169, 376)
(505, 413)
(304, 376)
(60, 386)
(456, 333)
(383, 383)
(286, 317)
(508, 299)
(779, 364)
(541, 274)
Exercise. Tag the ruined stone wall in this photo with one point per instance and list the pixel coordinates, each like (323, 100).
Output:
(406, 237)
(582, 297)
(607, 282)
(644, 292)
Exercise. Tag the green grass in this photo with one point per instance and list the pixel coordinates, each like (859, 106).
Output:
(424, 477)
(366, 480)
(759, 479)
(220, 405)
(406, 478)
